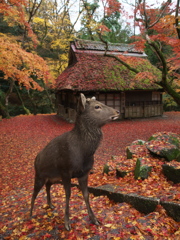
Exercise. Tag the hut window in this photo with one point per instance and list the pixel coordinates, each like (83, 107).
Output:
(110, 99)
(102, 98)
(156, 96)
(117, 101)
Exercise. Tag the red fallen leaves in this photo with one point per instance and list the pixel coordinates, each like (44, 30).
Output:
(137, 148)
(157, 146)
(20, 140)
(119, 221)
(165, 144)
(174, 163)
(156, 185)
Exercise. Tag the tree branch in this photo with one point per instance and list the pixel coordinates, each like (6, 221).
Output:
(177, 20)
(147, 26)
(161, 56)
(33, 10)
(145, 14)
(115, 57)
(161, 14)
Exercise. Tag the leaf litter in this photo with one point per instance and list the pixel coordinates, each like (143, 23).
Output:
(23, 137)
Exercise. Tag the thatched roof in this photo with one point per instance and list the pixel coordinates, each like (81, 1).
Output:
(90, 70)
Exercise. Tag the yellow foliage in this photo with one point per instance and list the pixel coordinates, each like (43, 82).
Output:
(57, 66)
(60, 44)
(64, 57)
(38, 20)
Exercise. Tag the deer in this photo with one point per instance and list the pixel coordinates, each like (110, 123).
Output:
(71, 155)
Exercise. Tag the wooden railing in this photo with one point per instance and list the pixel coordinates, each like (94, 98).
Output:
(143, 109)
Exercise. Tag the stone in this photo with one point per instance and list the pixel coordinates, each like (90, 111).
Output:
(141, 170)
(143, 204)
(106, 169)
(172, 172)
(137, 147)
(172, 209)
(166, 145)
(120, 174)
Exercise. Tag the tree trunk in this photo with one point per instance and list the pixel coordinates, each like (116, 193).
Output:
(49, 97)
(7, 98)
(168, 89)
(33, 103)
(20, 98)
(164, 77)
(3, 111)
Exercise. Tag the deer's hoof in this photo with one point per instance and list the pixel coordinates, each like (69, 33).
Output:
(67, 226)
(51, 206)
(96, 222)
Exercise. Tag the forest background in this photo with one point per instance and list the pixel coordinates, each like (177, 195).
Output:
(35, 37)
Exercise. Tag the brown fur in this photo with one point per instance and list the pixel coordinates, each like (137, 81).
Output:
(71, 155)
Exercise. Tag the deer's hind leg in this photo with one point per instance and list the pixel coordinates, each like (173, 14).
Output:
(48, 187)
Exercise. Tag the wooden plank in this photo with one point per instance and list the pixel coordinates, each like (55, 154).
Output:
(133, 112)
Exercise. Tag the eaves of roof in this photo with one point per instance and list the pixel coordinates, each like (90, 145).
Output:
(113, 52)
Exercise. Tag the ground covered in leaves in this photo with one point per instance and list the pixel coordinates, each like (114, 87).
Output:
(22, 137)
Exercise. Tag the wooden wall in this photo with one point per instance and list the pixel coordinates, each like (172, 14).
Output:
(131, 104)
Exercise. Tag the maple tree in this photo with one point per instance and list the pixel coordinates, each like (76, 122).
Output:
(33, 28)
(159, 27)
(159, 32)
(13, 12)
(166, 33)
(20, 68)
(24, 68)
(23, 136)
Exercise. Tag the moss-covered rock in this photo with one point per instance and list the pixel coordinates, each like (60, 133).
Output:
(172, 171)
(172, 209)
(141, 170)
(141, 203)
(137, 147)
(166, 145)
(121, 174)
(106, 169)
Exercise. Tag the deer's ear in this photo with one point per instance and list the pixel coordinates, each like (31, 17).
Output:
(81, 103)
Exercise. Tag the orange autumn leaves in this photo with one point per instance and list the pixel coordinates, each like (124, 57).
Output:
(21, 66)
(20, 140)
(16, 63)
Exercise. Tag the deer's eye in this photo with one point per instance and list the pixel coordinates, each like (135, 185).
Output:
(97, 107)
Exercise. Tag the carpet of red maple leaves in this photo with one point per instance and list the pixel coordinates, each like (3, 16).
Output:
(22, 137)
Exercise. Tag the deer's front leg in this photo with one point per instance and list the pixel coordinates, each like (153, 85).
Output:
(83, 181)
(67, 188)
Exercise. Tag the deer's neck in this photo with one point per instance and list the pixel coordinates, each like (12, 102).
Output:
(89, 134)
